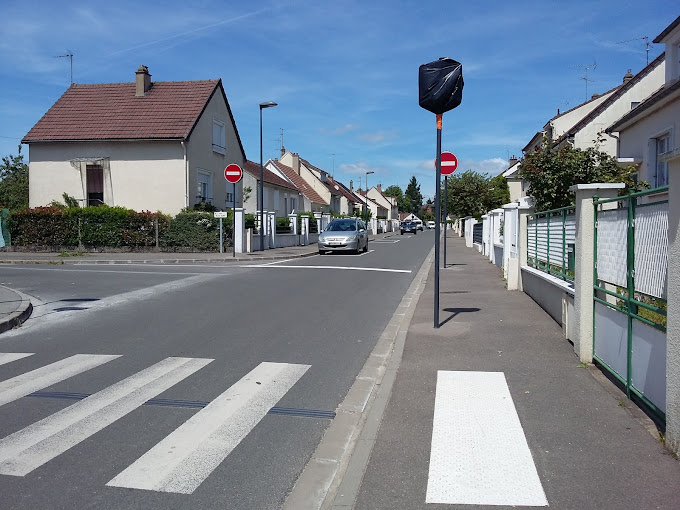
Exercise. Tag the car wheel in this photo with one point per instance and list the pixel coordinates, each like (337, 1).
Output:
(321, 252)
(366, 247)
(402, 232)
(415, 232)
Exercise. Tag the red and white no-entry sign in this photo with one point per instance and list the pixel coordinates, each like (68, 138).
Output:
(449, 163)
(233, 173)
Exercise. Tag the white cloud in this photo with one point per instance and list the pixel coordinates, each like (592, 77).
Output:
(378, 137)
(359, 168)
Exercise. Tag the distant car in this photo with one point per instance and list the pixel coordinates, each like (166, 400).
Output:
(430, 224)
(409, 226)
(344, 234)
(419, 224)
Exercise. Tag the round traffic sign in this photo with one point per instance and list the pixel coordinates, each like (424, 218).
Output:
(233, 173)
(449, 163)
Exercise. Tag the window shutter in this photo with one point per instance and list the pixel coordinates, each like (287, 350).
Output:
(651, 161)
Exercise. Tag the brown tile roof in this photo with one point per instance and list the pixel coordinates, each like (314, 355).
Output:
(645, 105)
(301, 184)
(342, 189)
(111, 111)
(269, 177)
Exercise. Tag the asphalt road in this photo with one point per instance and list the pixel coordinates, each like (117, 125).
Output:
(242, 338)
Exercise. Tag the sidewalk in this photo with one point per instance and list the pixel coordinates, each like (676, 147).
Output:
(591, 446)
(32, 257)
(15, 308)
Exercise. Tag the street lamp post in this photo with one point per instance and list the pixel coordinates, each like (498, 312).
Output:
(366, 212)
(266, 104)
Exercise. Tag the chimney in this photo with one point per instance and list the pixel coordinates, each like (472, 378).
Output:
(143, 81)
(351, 185)
(283, 151)
(512, 161)
(627, 77)
(379, 188)
(296, 162)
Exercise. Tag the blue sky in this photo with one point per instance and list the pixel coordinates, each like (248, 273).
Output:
(345, 73)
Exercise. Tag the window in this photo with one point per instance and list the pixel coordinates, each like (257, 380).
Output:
(661, 167)
(204, 189)
(230, 198)
(219, 139)
(95, 185)
(633, 104)
(276, 199)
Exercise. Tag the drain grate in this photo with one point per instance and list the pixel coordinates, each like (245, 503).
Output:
(193, 404)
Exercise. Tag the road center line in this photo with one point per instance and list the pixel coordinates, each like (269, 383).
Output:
(376, 269)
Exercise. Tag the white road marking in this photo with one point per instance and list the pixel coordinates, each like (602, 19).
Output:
(377, 269)
(48, 319)
(22, 385)
(8, 357)
(48, 268)
(479, 453)
(276, 262)
(31, 447)
(366, 253)
(181, 461)
(380, 241)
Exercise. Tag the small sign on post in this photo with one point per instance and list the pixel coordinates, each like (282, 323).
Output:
(232, 174)
(449, 163)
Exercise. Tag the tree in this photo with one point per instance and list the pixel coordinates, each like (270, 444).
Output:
(469, 194)
(14, 182)
(550, 173)
(415, 198)
(498, 192)
(247, 190)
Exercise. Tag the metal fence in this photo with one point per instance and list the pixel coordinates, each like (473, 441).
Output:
(477, 233)
(551, 236)
(630, 267)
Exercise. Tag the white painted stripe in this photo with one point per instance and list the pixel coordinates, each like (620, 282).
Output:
(233, 172)
(8, 357)
(31, 447)
(449, 163)
(377, 269)
(181, 461)
(22, 385)
(479, 452)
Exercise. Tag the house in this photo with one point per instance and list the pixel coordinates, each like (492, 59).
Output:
(517, 186)
(649, 134)
(314, 178)
(348, 202)
(278, 194)
(157, 146)
(408, 217)
(388, 203)
(626, 97)
(310, 200)
(377, 210)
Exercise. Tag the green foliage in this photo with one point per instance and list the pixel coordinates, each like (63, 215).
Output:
(247, 190)
(69, 201)
(204, 207)
(92, 227)
(403, 203)
(414, 197)
(14, 182)
(282, 226)
(474, 194)
(550, 173)
(198, 230)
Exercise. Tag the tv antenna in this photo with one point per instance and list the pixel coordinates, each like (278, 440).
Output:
(647, 44)
(281, 137)
(333, 171)
(585, 78)
(69, 56)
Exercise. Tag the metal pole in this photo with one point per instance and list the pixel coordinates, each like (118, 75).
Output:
(221, 247)
(261, 189)
(437, 214)
(446, 215)
(233, 224)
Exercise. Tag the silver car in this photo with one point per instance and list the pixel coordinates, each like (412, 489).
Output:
(344, 234)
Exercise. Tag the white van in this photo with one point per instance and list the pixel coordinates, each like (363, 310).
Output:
(419, 223)
(430, 224)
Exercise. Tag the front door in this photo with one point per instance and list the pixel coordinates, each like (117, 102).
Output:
(95, 185)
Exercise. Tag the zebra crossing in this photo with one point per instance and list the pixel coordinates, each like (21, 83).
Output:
(181, 461)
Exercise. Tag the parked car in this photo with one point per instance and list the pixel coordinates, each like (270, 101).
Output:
(430, 224)
(344, 234)
(409, 226)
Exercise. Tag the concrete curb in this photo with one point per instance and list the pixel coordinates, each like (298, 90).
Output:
(332, 477)
(22, 313)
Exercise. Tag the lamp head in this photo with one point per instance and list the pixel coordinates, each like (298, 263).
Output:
(268, 104)
(370, 172)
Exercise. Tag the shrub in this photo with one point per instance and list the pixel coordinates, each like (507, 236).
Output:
(198, 230)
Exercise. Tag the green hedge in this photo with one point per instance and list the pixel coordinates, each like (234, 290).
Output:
(116, 227)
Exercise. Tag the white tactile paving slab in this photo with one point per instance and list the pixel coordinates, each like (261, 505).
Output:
(479, 453)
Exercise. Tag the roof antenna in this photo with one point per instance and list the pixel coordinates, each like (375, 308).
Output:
(333, 171)
(586, 68)
(647, 44)
(68, 55)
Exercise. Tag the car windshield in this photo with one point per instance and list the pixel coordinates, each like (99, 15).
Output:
(342, 226)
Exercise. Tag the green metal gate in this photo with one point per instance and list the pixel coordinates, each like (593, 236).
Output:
(629, 319)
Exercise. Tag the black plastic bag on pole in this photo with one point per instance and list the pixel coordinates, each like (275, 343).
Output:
(440, 85)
